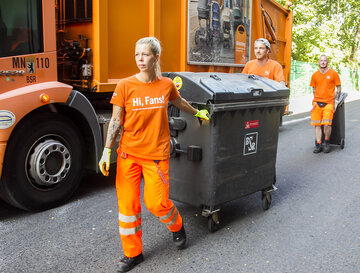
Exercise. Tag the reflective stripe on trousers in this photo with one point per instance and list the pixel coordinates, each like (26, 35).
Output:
(123, 220)
(156, 198)
(326, 121)
(316, 121)
(170, 218)
(129, 231)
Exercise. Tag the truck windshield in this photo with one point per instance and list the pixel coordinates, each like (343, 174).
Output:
(20, 27)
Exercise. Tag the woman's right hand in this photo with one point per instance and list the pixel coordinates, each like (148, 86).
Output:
(104, 163)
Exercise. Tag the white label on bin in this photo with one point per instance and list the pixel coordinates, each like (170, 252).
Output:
(250, 143)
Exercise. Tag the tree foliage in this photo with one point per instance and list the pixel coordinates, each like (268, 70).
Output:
(330, 27)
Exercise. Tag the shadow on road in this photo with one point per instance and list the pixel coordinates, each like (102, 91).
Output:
(91, 184)
(7, 211)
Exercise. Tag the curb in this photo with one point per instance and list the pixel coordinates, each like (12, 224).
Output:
(296, 116)
(299, 103)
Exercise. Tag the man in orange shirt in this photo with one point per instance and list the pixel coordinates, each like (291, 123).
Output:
(323, 83)
(263, 66)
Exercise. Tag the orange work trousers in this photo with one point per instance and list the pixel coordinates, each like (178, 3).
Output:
(156, 198)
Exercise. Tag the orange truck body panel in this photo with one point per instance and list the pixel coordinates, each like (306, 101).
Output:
(25, 99)
(117, 25)
(44, 70)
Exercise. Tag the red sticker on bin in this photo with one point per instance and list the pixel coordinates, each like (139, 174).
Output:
(251, 124)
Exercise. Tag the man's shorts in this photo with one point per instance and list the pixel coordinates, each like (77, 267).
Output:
(322, 115)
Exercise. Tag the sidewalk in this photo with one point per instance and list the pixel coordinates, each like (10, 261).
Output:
(301, 106)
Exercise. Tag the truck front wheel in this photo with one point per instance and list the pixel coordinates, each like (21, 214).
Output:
(43, 163)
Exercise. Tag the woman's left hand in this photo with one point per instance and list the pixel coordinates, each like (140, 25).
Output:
(202, 114)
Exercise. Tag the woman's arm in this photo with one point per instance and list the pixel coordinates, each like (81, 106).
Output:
(114, 126)
(183, 105)
(112, 133)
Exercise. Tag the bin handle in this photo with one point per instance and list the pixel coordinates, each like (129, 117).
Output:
(253, 77)
(256, 92)
(215, 77)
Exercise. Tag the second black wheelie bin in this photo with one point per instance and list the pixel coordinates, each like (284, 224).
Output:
(233, 154)
(337, 136)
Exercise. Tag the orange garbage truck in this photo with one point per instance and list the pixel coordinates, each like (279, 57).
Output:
(60, 61)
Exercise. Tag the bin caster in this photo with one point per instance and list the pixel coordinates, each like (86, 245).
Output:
(266, 200)
(342, 143)
(213, 222)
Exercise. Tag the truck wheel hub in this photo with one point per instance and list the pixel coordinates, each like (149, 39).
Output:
(49, 163)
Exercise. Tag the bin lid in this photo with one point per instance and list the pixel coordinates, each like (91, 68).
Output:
(211, 87)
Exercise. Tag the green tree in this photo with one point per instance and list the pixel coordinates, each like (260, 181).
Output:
(330, 27)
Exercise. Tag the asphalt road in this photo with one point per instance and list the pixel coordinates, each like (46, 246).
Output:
(312, 225)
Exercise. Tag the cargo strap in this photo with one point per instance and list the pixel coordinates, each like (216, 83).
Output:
(160, 172)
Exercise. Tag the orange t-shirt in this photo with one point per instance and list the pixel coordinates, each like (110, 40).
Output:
(325, 85)
(271, 70)
(146, 128)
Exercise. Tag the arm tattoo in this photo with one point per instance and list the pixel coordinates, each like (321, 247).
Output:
(114, 128)
(113, 131)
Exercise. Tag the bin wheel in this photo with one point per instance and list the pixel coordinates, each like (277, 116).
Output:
(213, 222)
(197, 37)
(266, 200)
(342, 143)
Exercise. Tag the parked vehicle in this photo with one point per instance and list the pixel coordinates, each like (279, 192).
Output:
(60, 62)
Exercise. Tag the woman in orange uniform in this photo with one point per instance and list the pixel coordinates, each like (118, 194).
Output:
(140, 108)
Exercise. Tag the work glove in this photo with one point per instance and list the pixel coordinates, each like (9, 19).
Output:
(104, 163)
(336, 104)
(202, 114)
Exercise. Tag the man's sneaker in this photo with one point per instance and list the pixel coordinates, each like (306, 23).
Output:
(318, 148)
(126, 264)
(179, 238)
(327, 147)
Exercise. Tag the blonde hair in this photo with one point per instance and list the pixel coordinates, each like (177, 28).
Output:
(155, 48)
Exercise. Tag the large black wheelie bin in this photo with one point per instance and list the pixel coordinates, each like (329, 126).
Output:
(337, 136)
(233, 154)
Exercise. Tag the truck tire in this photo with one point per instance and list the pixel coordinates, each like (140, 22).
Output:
(43, 164)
